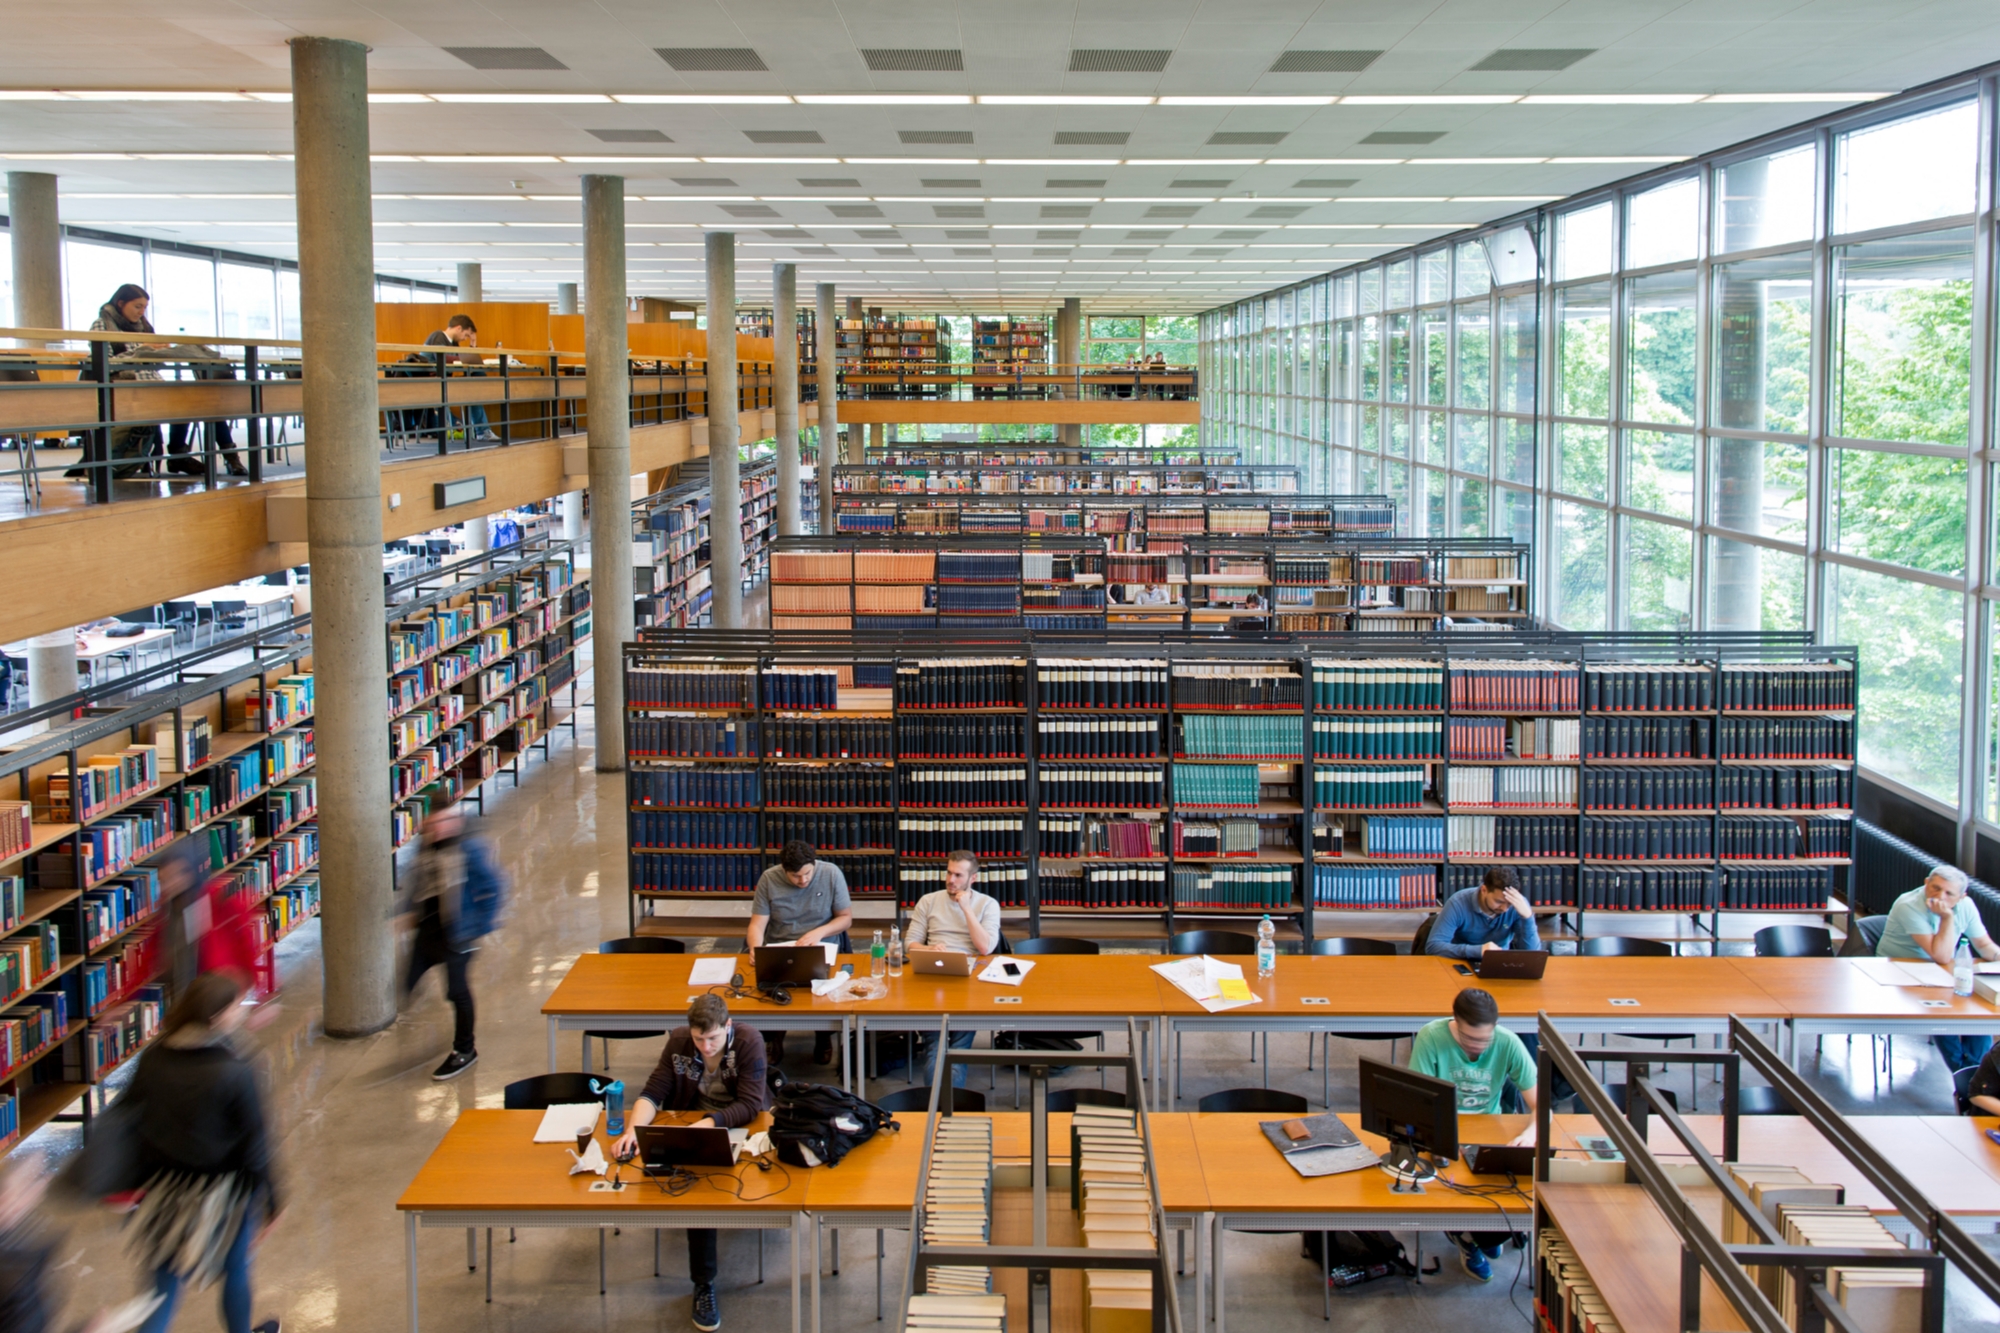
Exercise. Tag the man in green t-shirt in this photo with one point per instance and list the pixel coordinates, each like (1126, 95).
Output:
(1471, 1051)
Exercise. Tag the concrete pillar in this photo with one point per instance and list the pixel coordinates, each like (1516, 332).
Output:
(565, 298)
(1069, 351)
(36, 232)
(478, 534)
(608, 388)
(827, 360)
(344, 525)
(51, 663)
(471, 286)
(570, 506)
(725, 523)
(785, 392)
(854, 310)
(878, 437)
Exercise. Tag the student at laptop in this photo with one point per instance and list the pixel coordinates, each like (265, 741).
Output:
(955, 919)
(1471, 1051)
(715, 1067)
(1927, 923)
(1493, 915)
(800, 900)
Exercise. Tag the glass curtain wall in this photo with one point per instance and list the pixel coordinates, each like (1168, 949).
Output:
(1753, 391)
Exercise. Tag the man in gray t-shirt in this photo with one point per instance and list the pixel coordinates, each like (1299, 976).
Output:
(801, 900)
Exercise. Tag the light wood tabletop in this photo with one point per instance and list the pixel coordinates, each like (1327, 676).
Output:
(1630, 1252)
(1834, 988)
(1243, 1173)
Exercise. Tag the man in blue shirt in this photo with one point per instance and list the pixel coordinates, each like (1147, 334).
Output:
(1495, 915)
(1926, 924)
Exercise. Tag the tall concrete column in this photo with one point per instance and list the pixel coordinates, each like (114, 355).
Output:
(471, 285)
(36, 231)
(478, 534)
(565, 298)
(827, 360)
(570, 506)
(725, 523)
(854, 435)
(854, 310)
(878, 437)
(1069, 351)
(51, 662)
(785, 392)
(608, 391)
(344, 529)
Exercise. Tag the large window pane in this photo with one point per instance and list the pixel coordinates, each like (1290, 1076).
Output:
(1903, 339)
(1469, 512)
(1754, 588)
(1396, 293)
(183, 294)
(1517, 451)
(1368, 480)
(1766, 200)
(93, 272)
(1911, 636)
(1763, 343)
(1432, 487)
(1758, 486)
(1580, 568)
(1469, 448)
(288, 307)
(1907, 170)
(1397, 372)
(1582, 459)
(1660, 348)
(1583, 243)
(1905, 509)
(1659, 472)
(1433, 276)
(1658, 572)
(1434, 355)
(249, 300)
(1514, 518)
(1396, 485)
(1660, 225)
(1584, 361)
(1371, 358)
(1431, 433)
(1475, 354)
(1474, 277)
(1518, 347)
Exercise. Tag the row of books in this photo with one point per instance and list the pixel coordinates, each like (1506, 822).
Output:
(1648, 737)
(291, 906)
(1222, 736)
(1374, 788)
(31, 1027)
(100, 980)
(1061, 599)
(1631, 688)
(1802, 686)
(1407, 836)
(1680, 788)
(1378, 738)
(102, 781)
(1109, 684)
(1528, 786)
(279, 704)
(1103, 786)
(1233, 887)
(289, 804)
(1787, 738)
(1784, 788)
(1515, 687)
(119, 904)
(1068, 836)
(27, 957)
(1661, 838)
(731, 788)
(1094, 887)
(1256, 685)
(961, 683)
(688, 685)
(658, 831)
(1004, 884)
(287, 753)
(13, 900)
(1781, 838)
(1512, 835)
(711, 738)
(978, 566)
(413, 637)
(1374, 886)
(976, 737)
(720, 873)
(108, 846)
(979, 600)
(808, 788)
(1567, 1300)
(1114, 1197)
(226, 839)
(1093, 738)
(1202, 838)
(958, 1212)
(1477, 737)
(17, 828)
(188, 749)
(1807, 1214)
(1542, 886)
(236, 776)
(847, 833)
(1378, 685)
(1232, 786)
(121, 1031)
(990, 835)
(409, 687)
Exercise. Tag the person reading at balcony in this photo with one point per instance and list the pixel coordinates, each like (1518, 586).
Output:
(460, 331)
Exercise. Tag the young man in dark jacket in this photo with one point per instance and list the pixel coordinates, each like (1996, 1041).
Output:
(457, 899)
(714, 1067)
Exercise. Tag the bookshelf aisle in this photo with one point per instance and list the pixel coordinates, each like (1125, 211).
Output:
(1007, 343)
(1172, 779)
(672, 580)
(1065, 479)
(1137, 523)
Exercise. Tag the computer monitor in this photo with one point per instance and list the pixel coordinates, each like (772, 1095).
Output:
(1415, 1112)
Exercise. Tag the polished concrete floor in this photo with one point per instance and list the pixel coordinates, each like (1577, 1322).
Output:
(355, 1119)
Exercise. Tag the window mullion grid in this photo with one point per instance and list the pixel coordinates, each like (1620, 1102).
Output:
(1979, 439)
(1819, 389)
(1544, 408)
(1614, 446)
(1704, 343)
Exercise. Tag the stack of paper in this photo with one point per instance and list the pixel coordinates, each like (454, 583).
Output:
(1882, 1300)
(962, 1314)
(1575, 1301)
(1110, 1161)
(1209, 982)
(958, 1202)
(562, 1122)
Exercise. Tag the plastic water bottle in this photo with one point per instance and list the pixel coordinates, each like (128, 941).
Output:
(613, 1093)
(878, 958)
(895, 951)
(1961, 968)
(1267, 948)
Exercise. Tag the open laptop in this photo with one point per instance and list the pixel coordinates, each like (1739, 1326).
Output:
(929, 964)
(663, 1147)
(1509, 965)
(790, 965)
(1500, 1159)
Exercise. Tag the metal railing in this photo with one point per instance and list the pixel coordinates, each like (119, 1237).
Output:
(111, 396)
(1019, 380)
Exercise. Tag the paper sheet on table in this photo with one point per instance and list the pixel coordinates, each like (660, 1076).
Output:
(1902, 972)
(562, 1122)
(712, 972)
(1200, 979)
(996, 971)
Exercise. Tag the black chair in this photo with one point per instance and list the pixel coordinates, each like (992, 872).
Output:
(1212, 941)
(634, 944)
(1423, 935)
(1961, 1090)
(1793, 942)
(1617, 1091)
(541, 1091)
(147, 616)
(1054, 944)
(1269, 1100)
(1349, 946)
(1869, 930)
(231, 616)
(1068, 1099)
(919, 1099)
(1352, 946)
(1625, 946)
(1761, 1101)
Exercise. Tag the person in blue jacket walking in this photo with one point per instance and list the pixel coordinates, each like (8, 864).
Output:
(458, 895)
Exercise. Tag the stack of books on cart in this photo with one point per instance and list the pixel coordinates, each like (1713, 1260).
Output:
(1117, 1204)
(958, 1207)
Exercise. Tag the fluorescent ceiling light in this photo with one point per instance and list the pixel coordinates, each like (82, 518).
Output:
(1047, 161)
(1581, 161)
(700, 99)
(1429, 99)
(778, 161)
(397, 98)
(884, 99)
(1474, 161)
(1060, 99)
(1795, 97)
(1248, 101)
(526, 99)
(569, 158)
(477, 158)
(1193, 161)
(1333, 161)
(906, 161)
(1610, 99)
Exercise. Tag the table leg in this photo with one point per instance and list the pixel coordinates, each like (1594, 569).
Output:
(1215, 1234)
(410, 1263)
(797, 1225)
(553, 1067)
(815, 1223)
(472, 1249)
(585, 1038)
(836, 1251)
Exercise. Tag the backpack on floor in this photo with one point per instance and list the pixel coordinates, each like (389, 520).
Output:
(816, 1125)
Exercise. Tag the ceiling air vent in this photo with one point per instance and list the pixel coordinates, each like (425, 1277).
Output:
(506, 57)
(1118, 62)
(711, 59)
(1324, 62)
(917, 58)
(935, 136)
(1536, 57)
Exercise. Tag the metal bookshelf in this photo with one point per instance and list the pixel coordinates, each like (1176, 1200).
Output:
(1135, 520)
(1075, 575)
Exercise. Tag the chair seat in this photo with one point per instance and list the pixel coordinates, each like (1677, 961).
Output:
(620, 1034)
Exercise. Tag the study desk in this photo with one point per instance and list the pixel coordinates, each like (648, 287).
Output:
(489, 1172)
(1833, 996)
(93, 646)
(261, 601)
(649, 992)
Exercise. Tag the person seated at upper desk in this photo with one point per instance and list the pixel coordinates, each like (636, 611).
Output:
(1492, 915)
(714, 1067)
(1472, 1052)
(954, 919)
(800, 900)
(460, 331)
(1927, 923)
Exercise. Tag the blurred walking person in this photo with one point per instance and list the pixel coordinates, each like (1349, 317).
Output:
(457, 899)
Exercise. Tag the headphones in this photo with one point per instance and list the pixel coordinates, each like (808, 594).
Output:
(738, 991)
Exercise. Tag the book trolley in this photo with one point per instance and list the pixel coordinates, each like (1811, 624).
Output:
(1167, 778)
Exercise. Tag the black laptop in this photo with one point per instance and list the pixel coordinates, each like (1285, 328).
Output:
(663, 1147)
(1509, 965)
(1500, 1159)
(790, 965)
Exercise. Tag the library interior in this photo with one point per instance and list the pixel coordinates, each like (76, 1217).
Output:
(1462, 541)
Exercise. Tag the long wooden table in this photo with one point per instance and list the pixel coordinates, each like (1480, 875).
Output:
(1831, 996)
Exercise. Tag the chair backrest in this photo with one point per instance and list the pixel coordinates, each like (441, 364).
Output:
(919, 1099)
(1793, 942)
(1212, 941)
(545, 1090)
(1423, 935)
(643, 944)
(1625, 946)
(1870, 929)
(177, 610)
(223, 608)
(1048, 944)
(148, 616)
(1353, 946)
(1961, 1089)
(1253, 1099)
(1068, 1099)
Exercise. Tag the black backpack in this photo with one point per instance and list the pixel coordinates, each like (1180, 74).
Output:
(816, 1125)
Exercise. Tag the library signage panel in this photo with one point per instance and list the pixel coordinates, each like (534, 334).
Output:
(462, 491)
